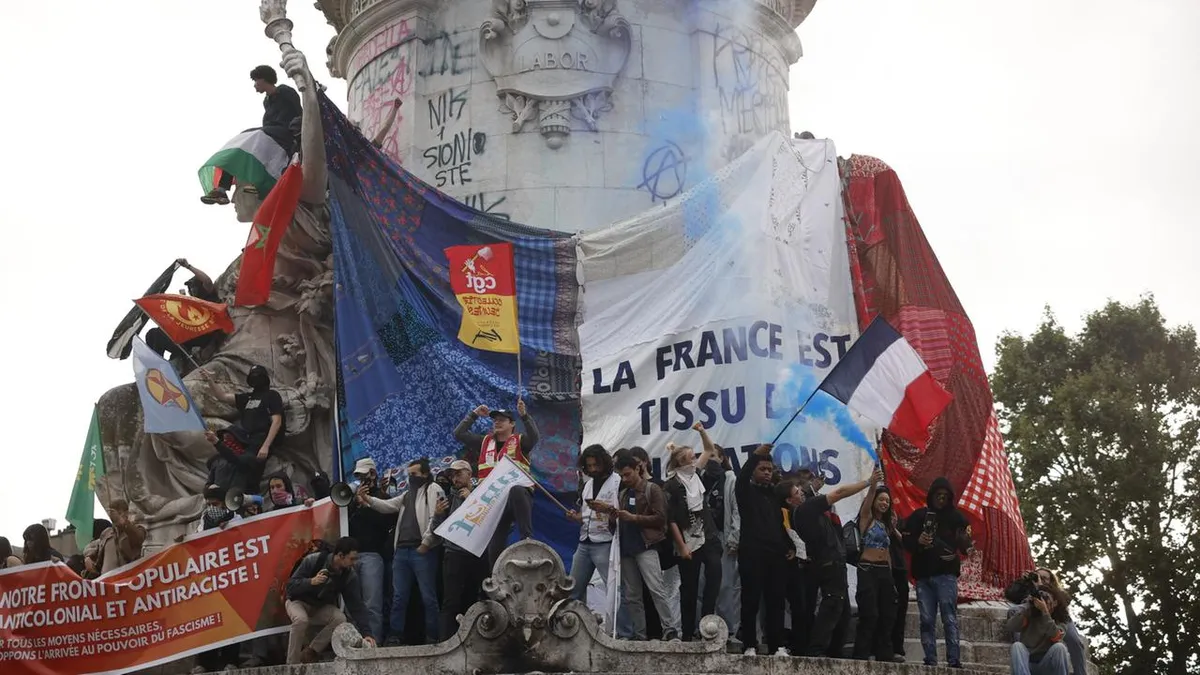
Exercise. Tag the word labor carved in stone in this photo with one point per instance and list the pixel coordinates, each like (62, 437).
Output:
(551, 61)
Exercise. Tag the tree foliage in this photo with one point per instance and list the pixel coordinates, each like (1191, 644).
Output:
(1101, 430)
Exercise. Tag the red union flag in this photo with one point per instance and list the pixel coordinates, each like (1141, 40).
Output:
(484, 283)
(216, 588)
(183, 317)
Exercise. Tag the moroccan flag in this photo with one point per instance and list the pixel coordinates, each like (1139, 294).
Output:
(81, 509)
(183, 317)
(486, 287)
(252, 158)
(270, 223)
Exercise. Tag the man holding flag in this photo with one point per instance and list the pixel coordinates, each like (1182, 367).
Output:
(503, 442)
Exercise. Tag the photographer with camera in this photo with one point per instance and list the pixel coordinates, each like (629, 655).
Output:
(1040, 651)
(1025, 586)
(312, 600)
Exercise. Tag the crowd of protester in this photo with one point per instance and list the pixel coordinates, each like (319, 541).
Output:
(761, 548)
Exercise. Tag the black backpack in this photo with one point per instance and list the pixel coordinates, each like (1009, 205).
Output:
(852, 539)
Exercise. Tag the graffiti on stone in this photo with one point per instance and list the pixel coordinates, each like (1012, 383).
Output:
(381, 75)
(664, 172)
(481, 201)
(446, 55)
(449, 160)
(751, 85)
(447, 107)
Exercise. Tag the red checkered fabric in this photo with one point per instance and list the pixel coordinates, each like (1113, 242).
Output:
(895, 273)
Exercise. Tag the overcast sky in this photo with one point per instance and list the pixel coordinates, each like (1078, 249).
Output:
(1047, 148)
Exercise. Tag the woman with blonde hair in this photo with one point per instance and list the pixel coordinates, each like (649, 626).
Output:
(693, 529)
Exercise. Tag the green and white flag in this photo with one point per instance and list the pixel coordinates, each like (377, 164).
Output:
(81, 509)
(252, 158)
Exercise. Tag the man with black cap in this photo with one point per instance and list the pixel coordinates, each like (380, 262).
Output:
(373, 531)
(489, 449)
(243, 447)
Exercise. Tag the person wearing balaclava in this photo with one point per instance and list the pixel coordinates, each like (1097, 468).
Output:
(244, 446)
(938, 535)
(281, 494)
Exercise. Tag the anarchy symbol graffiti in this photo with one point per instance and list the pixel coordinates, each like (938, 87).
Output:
(664, 172)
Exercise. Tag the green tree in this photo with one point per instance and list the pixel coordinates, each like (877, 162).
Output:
(1101, 430)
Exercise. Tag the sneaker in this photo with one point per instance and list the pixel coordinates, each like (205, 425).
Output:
(897, 658)
(216, 196)
(253, 662)
(670, 635)
(751, 652)
(782, 651)
(197, 670)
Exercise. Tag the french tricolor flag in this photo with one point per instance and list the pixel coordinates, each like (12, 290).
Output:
(882, 378)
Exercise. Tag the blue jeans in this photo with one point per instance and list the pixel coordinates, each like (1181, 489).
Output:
(370, 584)
(1053, 662)
(589, 557)
(729, 602)
(407, 566)
(1076, 649)
(936, 594)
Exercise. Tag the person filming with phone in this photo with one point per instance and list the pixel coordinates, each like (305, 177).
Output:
(938, 536)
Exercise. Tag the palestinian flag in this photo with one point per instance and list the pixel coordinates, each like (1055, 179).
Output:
(252, 157)
(266, 233)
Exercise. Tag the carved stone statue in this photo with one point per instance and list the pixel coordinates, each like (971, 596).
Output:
(529, 623)
(162, 475)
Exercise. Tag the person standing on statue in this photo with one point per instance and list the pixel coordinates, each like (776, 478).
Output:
(201, 287)
(243, 447)
(281, 110)
(503, 441)
(462, 572)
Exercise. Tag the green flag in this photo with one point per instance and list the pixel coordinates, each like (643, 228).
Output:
(81, 510)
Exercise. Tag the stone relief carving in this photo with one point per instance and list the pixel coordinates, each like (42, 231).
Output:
(556, 60)
(529, 623)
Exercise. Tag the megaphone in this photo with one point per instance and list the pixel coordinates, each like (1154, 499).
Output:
(234, 498)
(341, 494)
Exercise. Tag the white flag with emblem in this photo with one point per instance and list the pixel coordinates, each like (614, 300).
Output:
(472, 525)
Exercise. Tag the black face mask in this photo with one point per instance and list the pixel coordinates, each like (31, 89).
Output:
(258, 379)
(417, 481)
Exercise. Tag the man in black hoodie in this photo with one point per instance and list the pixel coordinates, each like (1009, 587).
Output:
(763, 552)
(938, 535)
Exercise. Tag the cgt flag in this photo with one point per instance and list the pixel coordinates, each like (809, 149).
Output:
(184, 318)
(472, 525)
(166, 404)
(485, 284)
(882, 378)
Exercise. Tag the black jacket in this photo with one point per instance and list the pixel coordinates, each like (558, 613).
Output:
(950, 539)
(761, 513)
(299, 587)
(372, 529)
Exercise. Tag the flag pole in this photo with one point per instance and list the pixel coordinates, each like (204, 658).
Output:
(542, 488)
(183, 351)
(796, 414)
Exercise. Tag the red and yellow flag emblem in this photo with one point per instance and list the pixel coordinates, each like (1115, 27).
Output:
(484, 283)
(185, 318)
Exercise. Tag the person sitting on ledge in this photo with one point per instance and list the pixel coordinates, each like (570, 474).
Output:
(281, 108)
(243, 447)
(312, 600)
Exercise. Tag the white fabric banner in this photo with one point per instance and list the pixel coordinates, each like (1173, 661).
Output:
(472, 525)
(727, 307)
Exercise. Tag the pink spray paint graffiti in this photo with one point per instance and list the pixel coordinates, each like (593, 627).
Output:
(382, 75)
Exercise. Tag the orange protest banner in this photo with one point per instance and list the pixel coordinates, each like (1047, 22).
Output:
(485, 284)
(185, 318)
(216, 588)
